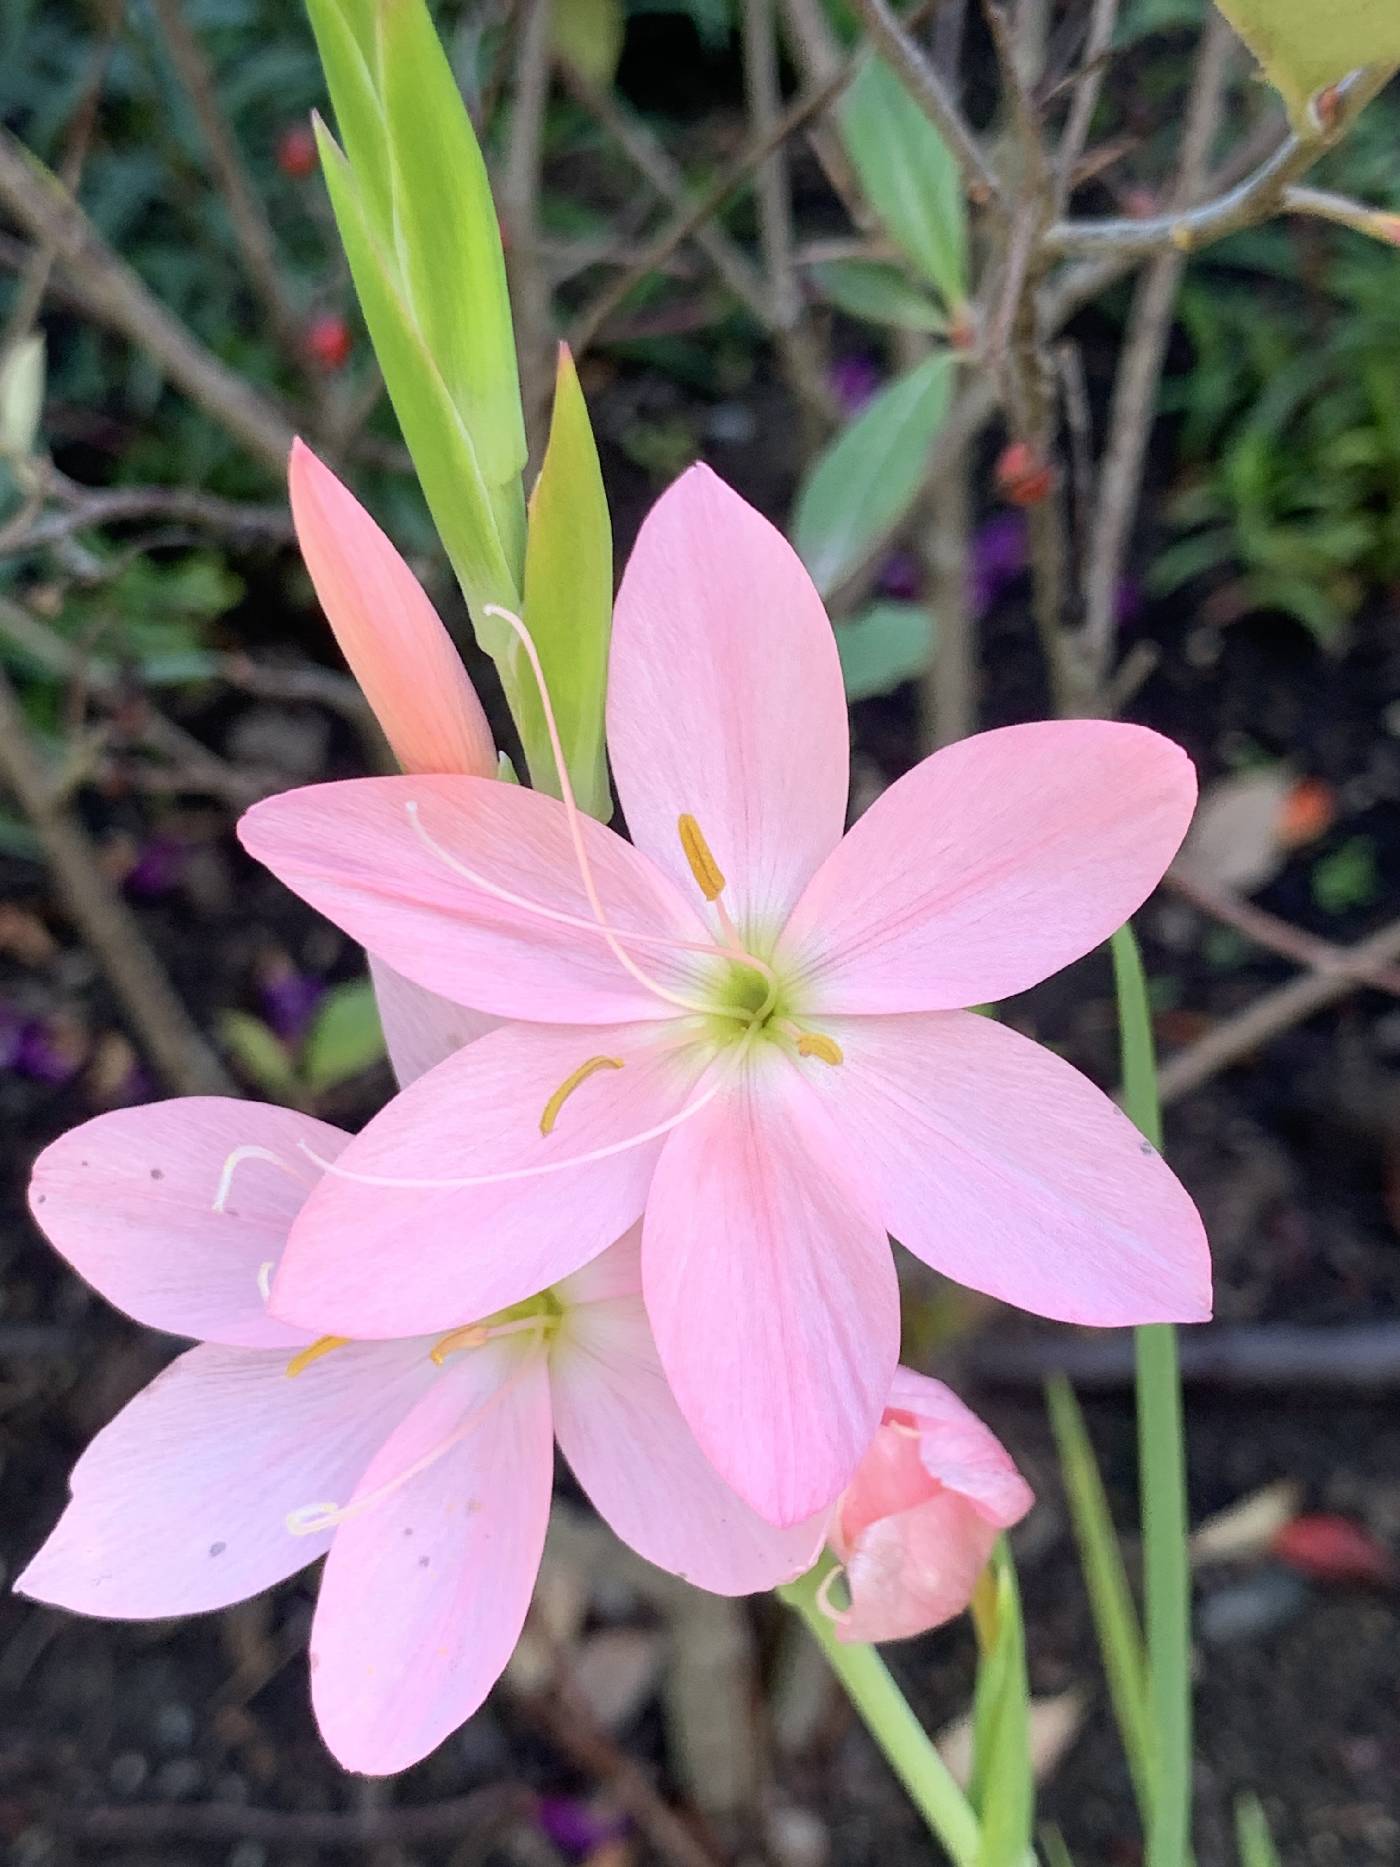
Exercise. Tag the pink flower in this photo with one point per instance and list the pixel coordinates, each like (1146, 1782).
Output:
(765, 1049)
(413, 679)
(916, 1525)
(420, 1468)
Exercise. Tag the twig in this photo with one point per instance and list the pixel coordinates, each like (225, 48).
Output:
(1278, 1011)
(90, 507)
(652, 161)
(35, 276)
(1084, 99)
(1017, 353)
(684, 222)
(1276, 935)
(950, 694)
(1255, 199)
(1144, 351)
(173, 1043)
(1343, 1359)
(795, 344)
(929, 91)
(477, 1817)
(519, 196)
(584, 1742)
(251, 227)
(1375, 222)
(112, 294)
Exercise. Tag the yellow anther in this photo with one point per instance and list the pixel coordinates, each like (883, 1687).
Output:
(818, 1044)
(708, 874)
(568, 1086)
(473, 1336)
(314, 1351)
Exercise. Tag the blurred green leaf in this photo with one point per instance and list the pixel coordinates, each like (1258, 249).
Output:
(588, 35)
(448, 241)
(860, 486)
(1305, 45)
(260, 1054)
(1252, 1836)
(1002, 1789)
(568, 598)
(1105, 1578)
(1054, 1847)
(345, 1039)
(1348, 878)
(877, 294)
(883, 646)
(909, 176)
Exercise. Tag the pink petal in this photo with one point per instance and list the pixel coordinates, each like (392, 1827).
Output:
(989, 866)
(367, 1260)
(181, 1503)
(772, 1292)
(421, 1028)
(388, 631)
(961, 1451)
(350, 849)
(1002, 1167)
(915, 1571)
(622, 1432)
(128, 1198)
(425, 1592)
(725, 700)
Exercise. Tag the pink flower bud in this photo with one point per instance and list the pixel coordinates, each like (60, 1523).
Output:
(388, 631)
(916, 1525)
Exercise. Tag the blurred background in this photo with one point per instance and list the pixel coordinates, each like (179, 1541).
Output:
(680, 196)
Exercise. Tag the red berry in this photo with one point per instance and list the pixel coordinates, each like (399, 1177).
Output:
(1022, 476)
(1330, 1548)
(328, 340)
(296, 151)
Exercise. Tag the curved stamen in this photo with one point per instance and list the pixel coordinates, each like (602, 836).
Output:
(310, 1519)
(567, 1087)
(314, 1351)
(663, 942)
(834, 1614)
(573, 816)
(722, 1079)
(236, 1160)
(818, 1044)
(478, 1334)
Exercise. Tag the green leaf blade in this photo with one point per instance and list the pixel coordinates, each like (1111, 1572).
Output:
(909, 176)
(861, 486)
(568, 599)
(448, 236)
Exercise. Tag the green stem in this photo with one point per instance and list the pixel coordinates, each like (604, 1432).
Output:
(1162, 1471)
(886, 1715)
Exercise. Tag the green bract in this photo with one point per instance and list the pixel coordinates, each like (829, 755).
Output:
(413, 204)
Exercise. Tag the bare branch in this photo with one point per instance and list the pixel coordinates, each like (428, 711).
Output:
(1134, 403)
(929, 91)
(251, 227)
(1278, 1011)
(163, 1027)
(111, 293)
(1257, 198)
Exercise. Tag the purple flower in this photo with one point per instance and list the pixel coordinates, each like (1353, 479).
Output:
(577, 1827)
(158, 868)
(854, 380)
(289, 1000)
(998, 559)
